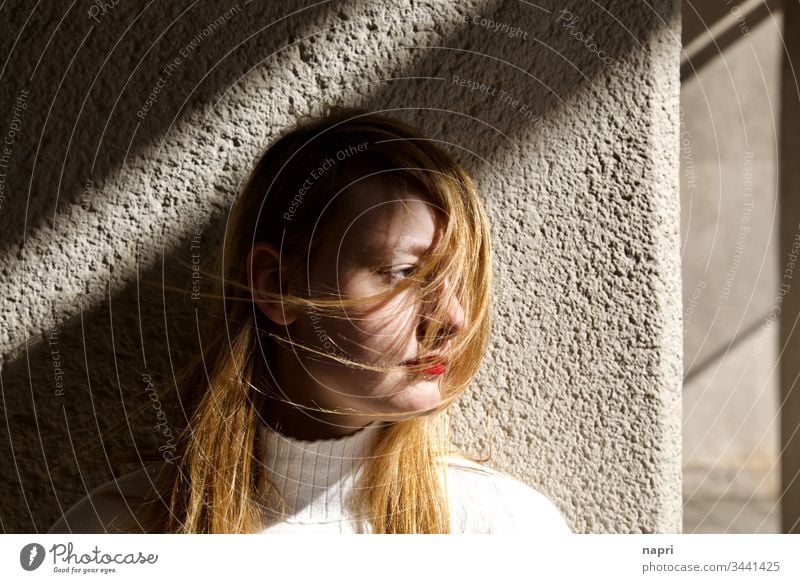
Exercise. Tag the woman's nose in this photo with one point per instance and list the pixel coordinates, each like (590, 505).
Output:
(454, 314)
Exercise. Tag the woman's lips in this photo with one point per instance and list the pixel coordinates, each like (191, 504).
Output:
(435, 370)
(437, 364)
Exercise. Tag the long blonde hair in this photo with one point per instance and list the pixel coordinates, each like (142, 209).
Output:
(216, 482)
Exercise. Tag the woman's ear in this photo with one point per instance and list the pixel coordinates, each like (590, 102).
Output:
(264, 275)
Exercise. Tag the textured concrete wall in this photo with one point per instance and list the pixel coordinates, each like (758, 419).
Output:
(574, 149)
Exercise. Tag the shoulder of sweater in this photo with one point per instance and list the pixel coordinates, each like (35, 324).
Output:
(485, 500)
(110, 507)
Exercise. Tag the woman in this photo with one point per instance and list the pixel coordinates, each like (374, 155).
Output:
(356, 307)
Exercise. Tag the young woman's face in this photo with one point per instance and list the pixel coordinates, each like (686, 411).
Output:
(374, 241)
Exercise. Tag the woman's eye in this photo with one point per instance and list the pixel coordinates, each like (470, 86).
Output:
(396, 273)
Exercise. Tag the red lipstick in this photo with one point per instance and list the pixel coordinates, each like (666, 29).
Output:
(435, 370)
(437, 365)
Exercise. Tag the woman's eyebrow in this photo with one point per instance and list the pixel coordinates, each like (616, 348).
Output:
(414, 247)
(411, 247)
(376, 251)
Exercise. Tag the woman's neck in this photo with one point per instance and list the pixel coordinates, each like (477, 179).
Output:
(295, 410)
(309, 425)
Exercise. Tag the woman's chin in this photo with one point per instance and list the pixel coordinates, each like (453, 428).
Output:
(419, 399)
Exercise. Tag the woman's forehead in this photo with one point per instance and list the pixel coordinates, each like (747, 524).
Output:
(375, 191)
(377, 217)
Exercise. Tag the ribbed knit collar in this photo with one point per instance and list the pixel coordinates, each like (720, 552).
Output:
(316, 477)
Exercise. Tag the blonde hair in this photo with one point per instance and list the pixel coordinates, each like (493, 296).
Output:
(217, 483)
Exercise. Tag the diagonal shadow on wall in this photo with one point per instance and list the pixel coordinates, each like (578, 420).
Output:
(57, 458)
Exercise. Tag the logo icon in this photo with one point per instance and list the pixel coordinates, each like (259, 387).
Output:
(31, 556)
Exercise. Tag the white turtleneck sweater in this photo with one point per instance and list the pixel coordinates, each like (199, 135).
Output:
(317, 478)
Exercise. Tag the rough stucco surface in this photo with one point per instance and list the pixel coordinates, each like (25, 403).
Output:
(580, 393)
